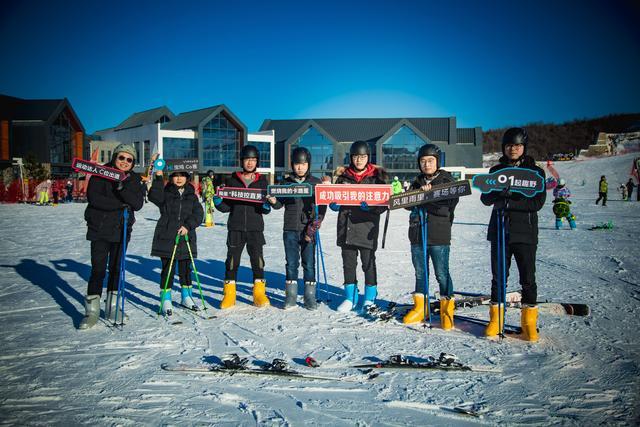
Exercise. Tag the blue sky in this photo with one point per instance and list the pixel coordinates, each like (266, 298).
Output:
(489, 63)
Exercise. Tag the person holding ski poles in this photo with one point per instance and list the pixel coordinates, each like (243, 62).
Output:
(358, 227)
(104, 215)
(439, 219)
(562, 205)
(299, 231)
(245, 227)
(521, 223)
(180, 213)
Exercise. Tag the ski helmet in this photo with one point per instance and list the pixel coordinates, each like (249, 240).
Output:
(562, 182)
(359, 148)
(250, 152)
(186, 174)
(300, 155)
(429, 150)
(210, 173)
(515, 136)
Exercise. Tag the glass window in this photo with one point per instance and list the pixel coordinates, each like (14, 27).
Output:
(220, 141)
(147, 151)
(60, 134)
(319, 146)
(401, 149)
(264, 148)
(136, 145)
(180, 148)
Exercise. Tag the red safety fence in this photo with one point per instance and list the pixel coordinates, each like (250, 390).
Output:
(16, 192)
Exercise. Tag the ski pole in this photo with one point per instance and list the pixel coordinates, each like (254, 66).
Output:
(195, 270)
(121, 282)
(500, 268)
(425, 236)
(169, 273)
(504, 270)
(324, 270)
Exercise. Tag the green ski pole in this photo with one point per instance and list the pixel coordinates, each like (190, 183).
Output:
(169, 276)
(195, 270)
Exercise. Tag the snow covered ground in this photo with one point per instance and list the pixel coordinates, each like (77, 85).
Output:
(584, 370)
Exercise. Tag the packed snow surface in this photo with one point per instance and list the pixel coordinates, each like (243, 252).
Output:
(584, 370)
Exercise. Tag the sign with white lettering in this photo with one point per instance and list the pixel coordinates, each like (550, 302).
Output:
(438, 192)
(97, 169)
(520, 180)
(253, 195)
(290, 190)
(353, 194)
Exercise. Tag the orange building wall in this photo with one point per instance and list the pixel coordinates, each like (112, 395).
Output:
(4, 140)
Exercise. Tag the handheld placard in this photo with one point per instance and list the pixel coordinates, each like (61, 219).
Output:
(519, 180)
(159, 164)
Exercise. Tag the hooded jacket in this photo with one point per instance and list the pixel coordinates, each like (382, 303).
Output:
(176, 210)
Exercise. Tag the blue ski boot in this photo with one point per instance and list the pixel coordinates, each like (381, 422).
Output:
(187, 298)
(370, 293)
(558, 223)
(572, 222)
(165, 301)
(350, 298)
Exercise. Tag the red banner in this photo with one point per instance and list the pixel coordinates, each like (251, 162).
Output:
(353, 194)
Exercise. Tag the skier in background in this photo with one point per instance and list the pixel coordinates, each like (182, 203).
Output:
(603, 188)
(562, 205)
(630, 187)
(396, 185)
(42, 192)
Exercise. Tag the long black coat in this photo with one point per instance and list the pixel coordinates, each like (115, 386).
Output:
(439, 214)
(521, 213)
(245, 216)
(176, 210)
(106, 203)
(356, 227)
(299, 211)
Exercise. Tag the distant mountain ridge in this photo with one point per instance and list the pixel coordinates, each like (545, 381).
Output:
(569, 137)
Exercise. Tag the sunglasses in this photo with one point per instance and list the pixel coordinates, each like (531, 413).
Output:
(125, 159)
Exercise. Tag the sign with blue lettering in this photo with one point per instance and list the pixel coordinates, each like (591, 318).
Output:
(519, 180)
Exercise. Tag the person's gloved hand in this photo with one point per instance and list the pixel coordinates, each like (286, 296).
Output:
(364, 207)
(217, 200)
(266, 207)
(312, 228)
(120, 186)
(334, 206)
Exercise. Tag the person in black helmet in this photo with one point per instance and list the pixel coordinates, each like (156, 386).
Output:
(521, 223)
(180, 213)
(358, 227)
(299, 230)
(245, 227)
(439, 217)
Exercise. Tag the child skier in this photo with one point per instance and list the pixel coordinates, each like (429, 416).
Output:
(358, 227)
(180, 213)
(300, 226)
(104, 216)
(245, 227)
(439, 217)
(562, 205)
(521, 223)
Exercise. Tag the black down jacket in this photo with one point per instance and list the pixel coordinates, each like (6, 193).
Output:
(521, 213)
(357, 227)
(439, 214)
(176, 210)
(244, 216)
(299, 211)
(104, 213)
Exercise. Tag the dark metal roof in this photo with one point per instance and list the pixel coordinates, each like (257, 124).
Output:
(36, 110)
(348, 130)
(12, 108)
(190, 119)
(145, 118)
(466, 135)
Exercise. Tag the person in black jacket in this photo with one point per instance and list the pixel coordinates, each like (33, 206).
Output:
(358, 228)
(104, 216)
(180, 213)
(439, 217)
(245, 227)
(521, 223)
(299, 230)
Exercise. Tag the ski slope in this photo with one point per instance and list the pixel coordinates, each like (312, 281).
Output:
(584, 370)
